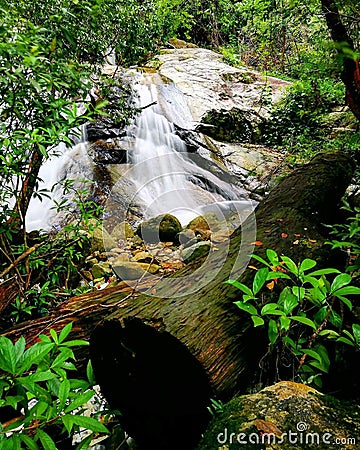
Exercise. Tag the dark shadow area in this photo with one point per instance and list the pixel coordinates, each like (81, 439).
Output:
(160, 389)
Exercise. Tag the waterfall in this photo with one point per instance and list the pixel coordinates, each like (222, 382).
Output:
(164, 177)
(65, 163)
(160, 175)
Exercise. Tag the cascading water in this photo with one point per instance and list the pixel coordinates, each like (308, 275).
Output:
(161, 176)
(66, 163)
(164, 177)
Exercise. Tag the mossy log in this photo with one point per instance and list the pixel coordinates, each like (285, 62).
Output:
(160, 356)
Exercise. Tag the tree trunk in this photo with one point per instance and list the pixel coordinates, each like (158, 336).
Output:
(160, 356)
(345, 47)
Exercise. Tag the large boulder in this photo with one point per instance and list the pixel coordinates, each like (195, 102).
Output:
(285, 416)
(162, 228)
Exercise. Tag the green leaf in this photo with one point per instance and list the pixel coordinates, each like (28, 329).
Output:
(85, 443)
(356, 332)
(80, 400)
(290, 303)
(345, 341)
(64, 390)
(90, 424)
(341, 280)
(346, 301)
(335, 319)
(30, 444)
(285, 323)
(348, 290)
(272, 257)
(258, 321)
(65, 354)
(307, 264)
(268, 308)
(289, 263)
(323, 272)
(90, 373)
(54, 336)
(67, 420)
(272, 331)
(277, 275)
(299, 293)
(258, 258)
(8, 357)
(75, 343)
(313, 354)
(304, 320)
(240, 286)
(64, 333)
(35, 354)
(45, 440)
(260, 279)
(247, 307)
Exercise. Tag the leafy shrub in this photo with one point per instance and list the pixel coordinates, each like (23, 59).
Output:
(35, 385)
(305, 315)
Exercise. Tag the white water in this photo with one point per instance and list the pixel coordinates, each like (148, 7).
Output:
(163, 177)
(167, 178)
(65, 164)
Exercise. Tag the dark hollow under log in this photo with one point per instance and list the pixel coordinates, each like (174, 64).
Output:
(160, 356)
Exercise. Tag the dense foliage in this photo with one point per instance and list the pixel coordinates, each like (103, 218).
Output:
(51, 53)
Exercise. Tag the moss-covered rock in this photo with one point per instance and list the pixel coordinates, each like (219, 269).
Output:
(282, 417)
(164, 228)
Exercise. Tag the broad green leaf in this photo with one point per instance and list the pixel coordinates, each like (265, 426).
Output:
(8, 355)
(356, 332)
(331, 334)
(45, 440)
(323, 272)
(285, 323)
(348, 290)
(272, 331)
(341, 280)
(290, 303)
(19, 348)
(307, 264)
(240, 286)
(54, 336)
(319, 365)
(260, 279)
(299, 293)
(34, 354)
(345, 341)
(272, 257)
(64, 390)
(275, 275)
(304, 320)
(268, 308)
(289, 263)
(335, 319)
(247, 307)
(90, 423)
(260, 259)
(313, 354)
(258, 321)
(65, 354)
(64, 333)
(30, 444)
(67, 420)
(346, 301)
(80, 400)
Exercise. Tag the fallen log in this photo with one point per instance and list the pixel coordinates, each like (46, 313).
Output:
(160, 356)
(138, 361)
